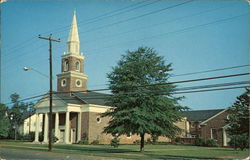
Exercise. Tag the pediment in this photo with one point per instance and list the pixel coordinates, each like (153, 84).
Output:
(56, 102)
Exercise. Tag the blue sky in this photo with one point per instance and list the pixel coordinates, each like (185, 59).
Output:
(194, 36)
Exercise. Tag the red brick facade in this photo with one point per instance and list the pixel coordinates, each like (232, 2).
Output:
(212, 128)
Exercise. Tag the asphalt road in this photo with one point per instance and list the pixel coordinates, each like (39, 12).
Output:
(13, 154)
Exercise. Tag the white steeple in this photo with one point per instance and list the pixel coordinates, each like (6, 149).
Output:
(73, 40)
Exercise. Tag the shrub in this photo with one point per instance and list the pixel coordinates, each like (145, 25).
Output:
(149, 141)
(239, 141)
(115, 142)
(137, 142)
(83, 141)
(154, 138)
(95, 142)
(199, 141)
(54, 139)
(178, 139)
(212, 143)
(40, 137)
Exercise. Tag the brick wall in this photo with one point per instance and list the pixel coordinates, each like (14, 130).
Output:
(216, 123)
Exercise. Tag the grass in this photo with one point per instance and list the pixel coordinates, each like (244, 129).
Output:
(131, 151)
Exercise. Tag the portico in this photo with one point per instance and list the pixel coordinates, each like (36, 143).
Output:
(66, 119)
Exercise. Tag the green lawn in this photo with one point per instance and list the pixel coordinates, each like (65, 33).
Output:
(131, 151)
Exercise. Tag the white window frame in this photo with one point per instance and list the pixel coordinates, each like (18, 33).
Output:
(63, 85)
(80, 83)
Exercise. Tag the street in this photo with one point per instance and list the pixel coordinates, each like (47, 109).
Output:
(14, 154)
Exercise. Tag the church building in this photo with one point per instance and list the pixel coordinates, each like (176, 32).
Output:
(76, 111)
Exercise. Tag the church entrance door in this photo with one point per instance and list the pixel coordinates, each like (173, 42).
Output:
(62, 134)
(73, 135)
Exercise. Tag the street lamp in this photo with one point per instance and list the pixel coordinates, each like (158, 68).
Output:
(29, 68)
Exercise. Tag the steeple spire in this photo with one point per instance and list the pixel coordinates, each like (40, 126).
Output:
(73, 40)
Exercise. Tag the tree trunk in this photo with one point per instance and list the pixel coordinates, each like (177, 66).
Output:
(142, 142)
(15, 134)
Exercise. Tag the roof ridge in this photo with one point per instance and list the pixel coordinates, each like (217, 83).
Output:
(206, 110)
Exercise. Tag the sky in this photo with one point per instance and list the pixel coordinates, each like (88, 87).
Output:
(192, 35)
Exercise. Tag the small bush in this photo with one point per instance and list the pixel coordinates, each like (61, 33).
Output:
(95, 142)
(83, 141)
(40, 137)
(54, 139)
(178, 139)
(239, 141)
(137, 142)
(115, 142)
(149, 141)
(199, 141)
(212, 143)
(154, 138)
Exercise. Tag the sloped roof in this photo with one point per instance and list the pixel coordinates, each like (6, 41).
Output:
(92, 97)
(201, 115)
(26, 115)
(69, 99)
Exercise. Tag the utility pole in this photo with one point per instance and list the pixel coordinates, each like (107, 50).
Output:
(50, 85)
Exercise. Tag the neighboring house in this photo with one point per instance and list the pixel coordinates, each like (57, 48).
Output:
(209, 124)
(29, 124)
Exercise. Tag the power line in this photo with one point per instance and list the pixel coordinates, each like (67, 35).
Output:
(158, 94)
(188, 28)
(184, 81)
(136, 17)
(25, 99)
(68, 26)
(208, 90)
(212, 70)
(175, 82)
(105, 15)
(154, 25)
(174, 32)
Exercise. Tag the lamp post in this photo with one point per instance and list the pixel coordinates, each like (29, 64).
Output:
(32, 69)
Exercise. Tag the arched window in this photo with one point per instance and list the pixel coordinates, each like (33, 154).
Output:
(66, 65)
(77, 66)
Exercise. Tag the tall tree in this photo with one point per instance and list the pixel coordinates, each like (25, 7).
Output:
(238, 118)
(238, 121)
(141, 105)
(4, 121)
(16, 113)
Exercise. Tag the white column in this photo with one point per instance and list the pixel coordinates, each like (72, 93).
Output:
(46, 126)
(37, 128)
(224, 137)
(57, 125)
(67, 128)
(79, 126)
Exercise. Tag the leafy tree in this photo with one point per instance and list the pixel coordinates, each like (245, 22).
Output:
(4, 121)
(141, 105)
(16, 113)
(238, 119)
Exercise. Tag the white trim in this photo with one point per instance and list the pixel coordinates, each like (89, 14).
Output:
(79, 64)
(72, 74)
(213, 117)
(78, 80)
(95, 108)
(100, 120)
(72, 55)
(63, 85)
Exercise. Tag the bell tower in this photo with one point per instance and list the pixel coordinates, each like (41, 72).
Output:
(72, 77)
